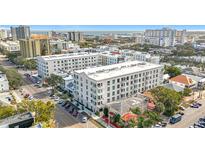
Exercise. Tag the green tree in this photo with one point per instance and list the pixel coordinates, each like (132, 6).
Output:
(44, 111)
(136, 110)
(105, 111)
(159, 107)
(187, 91)
(19, 60)
(140, 121)
(30, 64)
(147, 123)
(54, 81)
(6, 111)
(154, 116)
(117, 118)
(14, 78)
(172, 71)
(11, 56)
(169, 98)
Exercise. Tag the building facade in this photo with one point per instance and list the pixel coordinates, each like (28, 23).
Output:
(165, 37)
(74, 36)
(10, 46)
(47, 65)
(61, 45)
(21, 32)
(37, 45)
(95, 87)
(4, 83)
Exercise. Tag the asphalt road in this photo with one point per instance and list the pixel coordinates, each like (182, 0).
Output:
(191, 115)
(28, 86)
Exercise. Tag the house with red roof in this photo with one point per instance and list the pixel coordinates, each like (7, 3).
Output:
(183, 81)
(128, 116)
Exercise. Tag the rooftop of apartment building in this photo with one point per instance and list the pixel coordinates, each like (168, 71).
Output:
(111, 54)
(65, 56)
(115, 70)
(39, 36)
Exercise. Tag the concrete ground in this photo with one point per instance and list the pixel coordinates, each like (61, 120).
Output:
(123, 106)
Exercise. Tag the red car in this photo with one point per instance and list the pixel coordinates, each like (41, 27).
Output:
(26, 95)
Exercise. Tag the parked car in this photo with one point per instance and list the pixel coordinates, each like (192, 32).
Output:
(182, 113)
(26, 95)
(194, 106)
(84, 119)
(199, 104)
(198, 125)
(30, 97)
(202, 119)
(182, 108)
(175, 118)
(163, 124)
(64, 104)
(56, 99)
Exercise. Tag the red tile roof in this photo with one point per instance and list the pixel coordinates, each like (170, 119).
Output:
(128, 116)
(182, 79)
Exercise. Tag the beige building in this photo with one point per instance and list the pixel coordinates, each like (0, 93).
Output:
(37, 45)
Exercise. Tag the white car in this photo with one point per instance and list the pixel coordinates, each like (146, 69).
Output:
(84, 119)
(56, 99)
(30, 97)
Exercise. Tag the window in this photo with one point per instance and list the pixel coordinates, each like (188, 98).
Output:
(113, 81)
(108, 83)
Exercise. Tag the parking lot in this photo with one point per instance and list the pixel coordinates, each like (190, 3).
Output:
(69, 117)
(191, 116)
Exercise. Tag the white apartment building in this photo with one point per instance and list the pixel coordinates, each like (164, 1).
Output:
(10, 46)
(65, 62)
(4, 83)
(165, 37)
(95, 87)
(141, 56)
(63, 45)
(140, 39)
(109, 58)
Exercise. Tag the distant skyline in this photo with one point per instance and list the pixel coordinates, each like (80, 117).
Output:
(108, 27)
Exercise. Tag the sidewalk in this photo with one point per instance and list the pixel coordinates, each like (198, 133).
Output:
(95, 117)
(18, 99)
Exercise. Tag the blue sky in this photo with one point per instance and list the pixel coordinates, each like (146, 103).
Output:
(110, 27)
